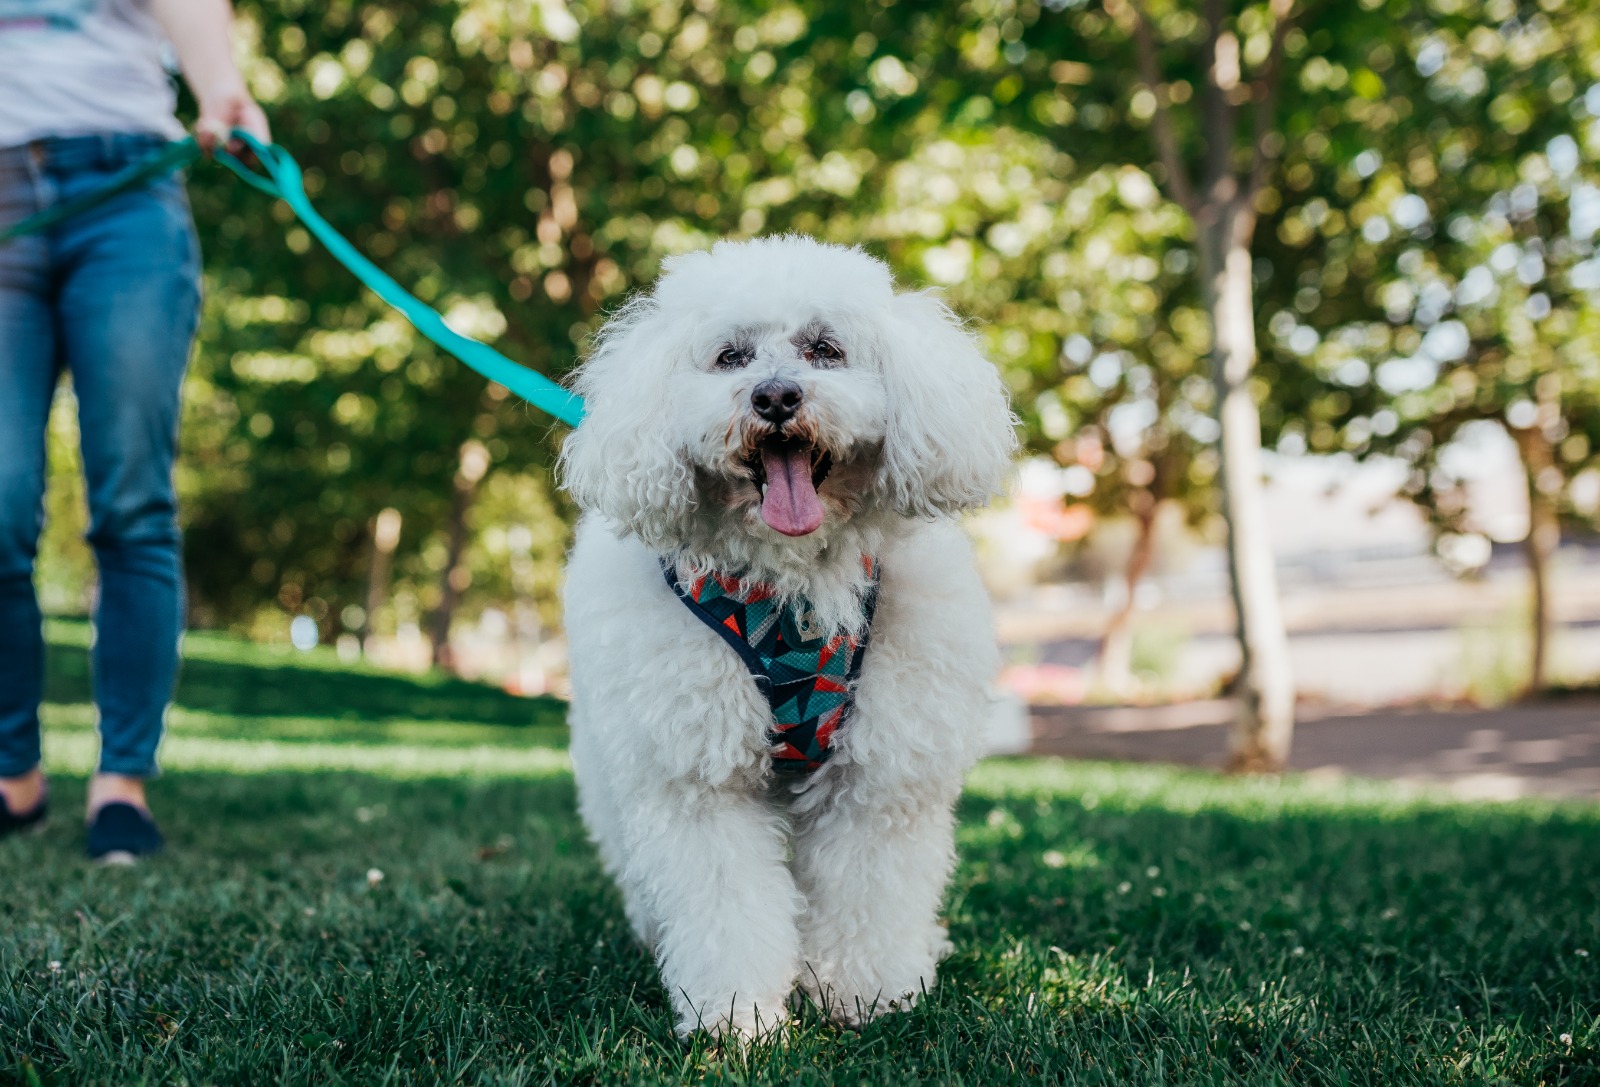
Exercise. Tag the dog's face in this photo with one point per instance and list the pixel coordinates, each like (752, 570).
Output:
(798, 413)
(780, 390)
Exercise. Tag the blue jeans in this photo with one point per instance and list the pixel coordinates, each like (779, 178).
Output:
(112, 297)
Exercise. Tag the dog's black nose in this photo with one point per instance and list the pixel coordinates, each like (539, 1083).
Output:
(776, 400)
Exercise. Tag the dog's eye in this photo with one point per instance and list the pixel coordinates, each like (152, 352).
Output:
(733, 358)
(825, 352)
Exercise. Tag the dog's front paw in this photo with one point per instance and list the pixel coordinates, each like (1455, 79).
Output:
(854, 1005)
(738, 1025)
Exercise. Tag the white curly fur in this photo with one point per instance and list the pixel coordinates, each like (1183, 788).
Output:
(746, 886)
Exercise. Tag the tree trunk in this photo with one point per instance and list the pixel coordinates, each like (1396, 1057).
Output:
(1264, 719)
(1544, 536)
(385, 538)
(455, 578)
(1115, 659)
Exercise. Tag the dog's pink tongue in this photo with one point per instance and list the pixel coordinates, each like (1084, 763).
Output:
(791, 505)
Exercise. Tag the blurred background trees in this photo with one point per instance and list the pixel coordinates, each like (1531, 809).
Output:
(1392, 202)
(1441, 280)
(1083, 280)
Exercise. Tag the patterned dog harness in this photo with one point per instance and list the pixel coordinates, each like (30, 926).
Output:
(805, 675)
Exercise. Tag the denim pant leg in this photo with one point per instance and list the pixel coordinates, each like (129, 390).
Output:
(126, 316)
(28, 373)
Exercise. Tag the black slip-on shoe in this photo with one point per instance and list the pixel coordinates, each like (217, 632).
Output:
(32, 819)
(121, 834)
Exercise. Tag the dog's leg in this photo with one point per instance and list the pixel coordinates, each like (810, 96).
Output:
(709, 867)
(597, 803)
(873, 869)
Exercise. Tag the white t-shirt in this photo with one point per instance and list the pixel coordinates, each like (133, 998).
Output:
(72, 67)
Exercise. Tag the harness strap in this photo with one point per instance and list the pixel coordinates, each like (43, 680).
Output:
(808, 679)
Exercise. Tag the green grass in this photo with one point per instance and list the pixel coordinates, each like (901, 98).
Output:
(1113, 925)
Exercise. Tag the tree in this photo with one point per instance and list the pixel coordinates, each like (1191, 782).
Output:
(1080, 277)
(1460, 291)
(1220, 198)
(1062, 72)
(1239, 110)
(521, 167)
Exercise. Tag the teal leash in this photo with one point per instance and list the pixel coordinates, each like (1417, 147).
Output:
(283, 180)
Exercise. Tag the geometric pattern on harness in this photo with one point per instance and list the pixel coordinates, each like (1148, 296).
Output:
(808, 678)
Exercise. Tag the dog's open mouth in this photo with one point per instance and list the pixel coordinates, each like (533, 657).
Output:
(788, 472)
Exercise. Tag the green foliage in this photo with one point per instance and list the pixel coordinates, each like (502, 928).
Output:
(1478, 110)
(520, 167)
(524, 165)
(428, 910)
(1083, 283)
(65, 565)
(1445, 275)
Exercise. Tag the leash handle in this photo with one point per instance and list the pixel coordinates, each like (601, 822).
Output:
(283, 180)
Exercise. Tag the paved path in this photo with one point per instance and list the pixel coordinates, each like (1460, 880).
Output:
(1548, 749)
(1360, 641)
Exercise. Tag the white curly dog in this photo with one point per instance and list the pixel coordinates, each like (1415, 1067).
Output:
(775, 424)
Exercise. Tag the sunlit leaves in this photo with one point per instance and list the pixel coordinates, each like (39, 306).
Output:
(1461, 305)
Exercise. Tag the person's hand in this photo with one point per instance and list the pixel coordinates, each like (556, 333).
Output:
(225, 110)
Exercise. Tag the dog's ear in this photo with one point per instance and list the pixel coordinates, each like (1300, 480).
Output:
(623, 460)
(951, 433)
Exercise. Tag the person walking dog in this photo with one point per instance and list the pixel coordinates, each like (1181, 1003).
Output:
(112, 297)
